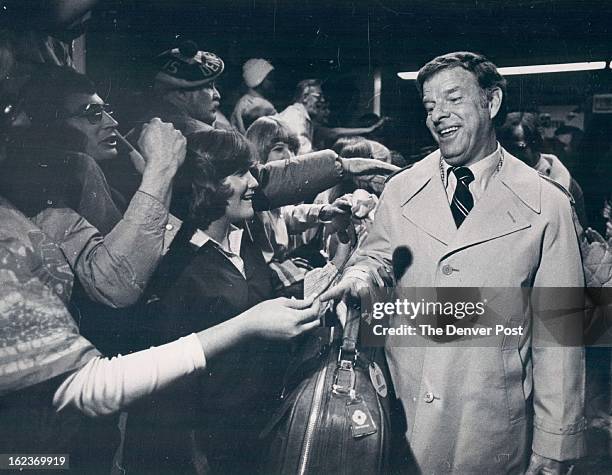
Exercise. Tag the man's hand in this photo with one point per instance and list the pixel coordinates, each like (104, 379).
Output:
(282, 318)
(366, 166)
(379, 124)
(340, 207)
(348, 287)
(539, 465)
(162, 146)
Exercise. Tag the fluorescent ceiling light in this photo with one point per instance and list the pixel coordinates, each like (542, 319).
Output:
(408, 75)
(553, 68)
(535, 69)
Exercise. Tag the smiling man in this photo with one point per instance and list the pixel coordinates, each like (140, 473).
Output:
(472, 215)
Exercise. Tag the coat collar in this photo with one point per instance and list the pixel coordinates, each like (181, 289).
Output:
(512, 195)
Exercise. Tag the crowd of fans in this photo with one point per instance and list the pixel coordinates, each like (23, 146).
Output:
(157, 289)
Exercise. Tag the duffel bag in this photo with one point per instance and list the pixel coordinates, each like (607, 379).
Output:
(335, 418)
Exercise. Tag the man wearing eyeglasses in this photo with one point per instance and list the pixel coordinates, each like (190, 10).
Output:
(52, 175)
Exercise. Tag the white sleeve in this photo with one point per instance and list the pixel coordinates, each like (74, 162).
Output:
(104, 386)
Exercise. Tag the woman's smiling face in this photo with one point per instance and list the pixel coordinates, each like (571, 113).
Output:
(240, 203)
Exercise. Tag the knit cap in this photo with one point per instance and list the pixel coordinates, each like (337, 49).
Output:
(186, 66)
(254, 71)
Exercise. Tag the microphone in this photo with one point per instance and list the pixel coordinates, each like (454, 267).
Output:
(401, 260)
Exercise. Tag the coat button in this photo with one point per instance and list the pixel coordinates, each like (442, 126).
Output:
(169, 227)
(429, 397)
(447, 270)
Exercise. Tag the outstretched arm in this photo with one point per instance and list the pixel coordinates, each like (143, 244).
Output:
(105, 386)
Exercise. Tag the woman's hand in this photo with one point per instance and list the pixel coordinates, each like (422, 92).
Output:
(282, 318)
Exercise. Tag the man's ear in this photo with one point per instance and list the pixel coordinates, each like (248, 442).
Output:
(496, 97)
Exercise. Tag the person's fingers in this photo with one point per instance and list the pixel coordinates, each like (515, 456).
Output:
(335, 293)
(336, 210)
(309, 314)
(342, 201)
(297, 304)
(301, 263)
(370, 166)
(362, 292)
(593, 235)
(310, 326)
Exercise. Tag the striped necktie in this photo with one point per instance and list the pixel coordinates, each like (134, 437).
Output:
(463, 201)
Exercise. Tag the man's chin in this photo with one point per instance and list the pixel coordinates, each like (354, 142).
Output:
(210, 120)
(452, 157)
(105, 155)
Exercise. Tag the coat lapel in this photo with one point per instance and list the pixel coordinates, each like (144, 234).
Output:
(505, 207)
(425, 202)
(511, 197)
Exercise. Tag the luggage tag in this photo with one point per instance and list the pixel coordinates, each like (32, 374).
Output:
(378, 379)
(360, 419)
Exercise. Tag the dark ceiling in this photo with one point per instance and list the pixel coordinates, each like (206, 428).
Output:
(344, 40)
(402, 33)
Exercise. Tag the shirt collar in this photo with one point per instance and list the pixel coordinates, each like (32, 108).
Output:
(200, 238)
(483, 169)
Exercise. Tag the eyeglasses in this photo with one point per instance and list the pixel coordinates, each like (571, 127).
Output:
(92, 112)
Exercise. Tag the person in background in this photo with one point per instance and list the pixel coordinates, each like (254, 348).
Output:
(279, 231)
(258, 75)
(189, 74)
(309, 103)
(185, 87)
(520, 135)
(43, 32)
(325, 137)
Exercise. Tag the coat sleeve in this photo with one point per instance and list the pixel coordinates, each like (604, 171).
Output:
(557, 348)
(299, 218)
(285, 182)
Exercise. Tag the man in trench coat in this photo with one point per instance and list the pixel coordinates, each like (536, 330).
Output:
(504, 404)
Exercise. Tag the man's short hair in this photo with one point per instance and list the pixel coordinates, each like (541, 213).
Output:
(485, 71)
(303, 86)
(44, 95)
(530, 125)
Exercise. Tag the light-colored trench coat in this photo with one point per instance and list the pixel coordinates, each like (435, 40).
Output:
(482, 407)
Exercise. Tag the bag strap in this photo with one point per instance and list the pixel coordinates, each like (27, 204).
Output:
(351, 330)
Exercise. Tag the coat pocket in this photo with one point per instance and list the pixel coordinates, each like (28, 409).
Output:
(514, 372)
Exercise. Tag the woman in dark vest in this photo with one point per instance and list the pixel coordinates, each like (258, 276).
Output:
(213, 271)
